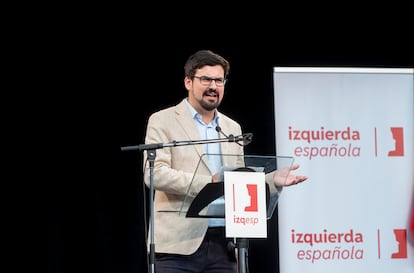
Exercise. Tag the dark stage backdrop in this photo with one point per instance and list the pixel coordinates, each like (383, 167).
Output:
(97, 208)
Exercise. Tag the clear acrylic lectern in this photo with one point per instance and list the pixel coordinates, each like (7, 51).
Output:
(208, 201)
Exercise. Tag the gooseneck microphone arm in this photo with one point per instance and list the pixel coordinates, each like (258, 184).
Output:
(230, 137)
(245, 138)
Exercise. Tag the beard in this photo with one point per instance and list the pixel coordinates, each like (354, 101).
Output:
(207, 104)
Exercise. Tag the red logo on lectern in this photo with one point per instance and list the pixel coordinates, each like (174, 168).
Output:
(398, 136)
(252, 191)
(245, 198)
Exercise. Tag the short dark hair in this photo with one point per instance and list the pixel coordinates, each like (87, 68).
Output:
(202, 58)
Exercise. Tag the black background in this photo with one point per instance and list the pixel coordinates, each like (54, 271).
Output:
(116, 70)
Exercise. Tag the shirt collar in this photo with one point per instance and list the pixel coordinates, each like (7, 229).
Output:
(197, 116)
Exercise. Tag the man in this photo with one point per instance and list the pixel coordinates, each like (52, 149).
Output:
(185, 244)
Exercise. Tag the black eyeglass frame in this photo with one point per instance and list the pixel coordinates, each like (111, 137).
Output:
(207, 80)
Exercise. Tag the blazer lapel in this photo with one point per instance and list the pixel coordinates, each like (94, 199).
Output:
(186, 122)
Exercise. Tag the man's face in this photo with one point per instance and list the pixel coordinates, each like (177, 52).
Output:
(206, 89)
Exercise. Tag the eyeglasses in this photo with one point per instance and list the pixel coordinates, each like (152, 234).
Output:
(204, 80)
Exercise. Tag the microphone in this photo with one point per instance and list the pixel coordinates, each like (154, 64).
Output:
(230, 137)
(245, 138)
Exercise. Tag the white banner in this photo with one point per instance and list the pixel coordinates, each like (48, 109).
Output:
(351, 130)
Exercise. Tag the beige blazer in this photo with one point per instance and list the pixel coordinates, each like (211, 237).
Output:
(174, 169)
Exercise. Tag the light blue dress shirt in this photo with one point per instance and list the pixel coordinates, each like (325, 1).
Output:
(208, 131)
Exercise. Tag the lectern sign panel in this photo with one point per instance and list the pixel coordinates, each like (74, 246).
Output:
(245, 204)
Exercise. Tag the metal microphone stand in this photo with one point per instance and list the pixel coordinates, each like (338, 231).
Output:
(242, 245)
(151, 154)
